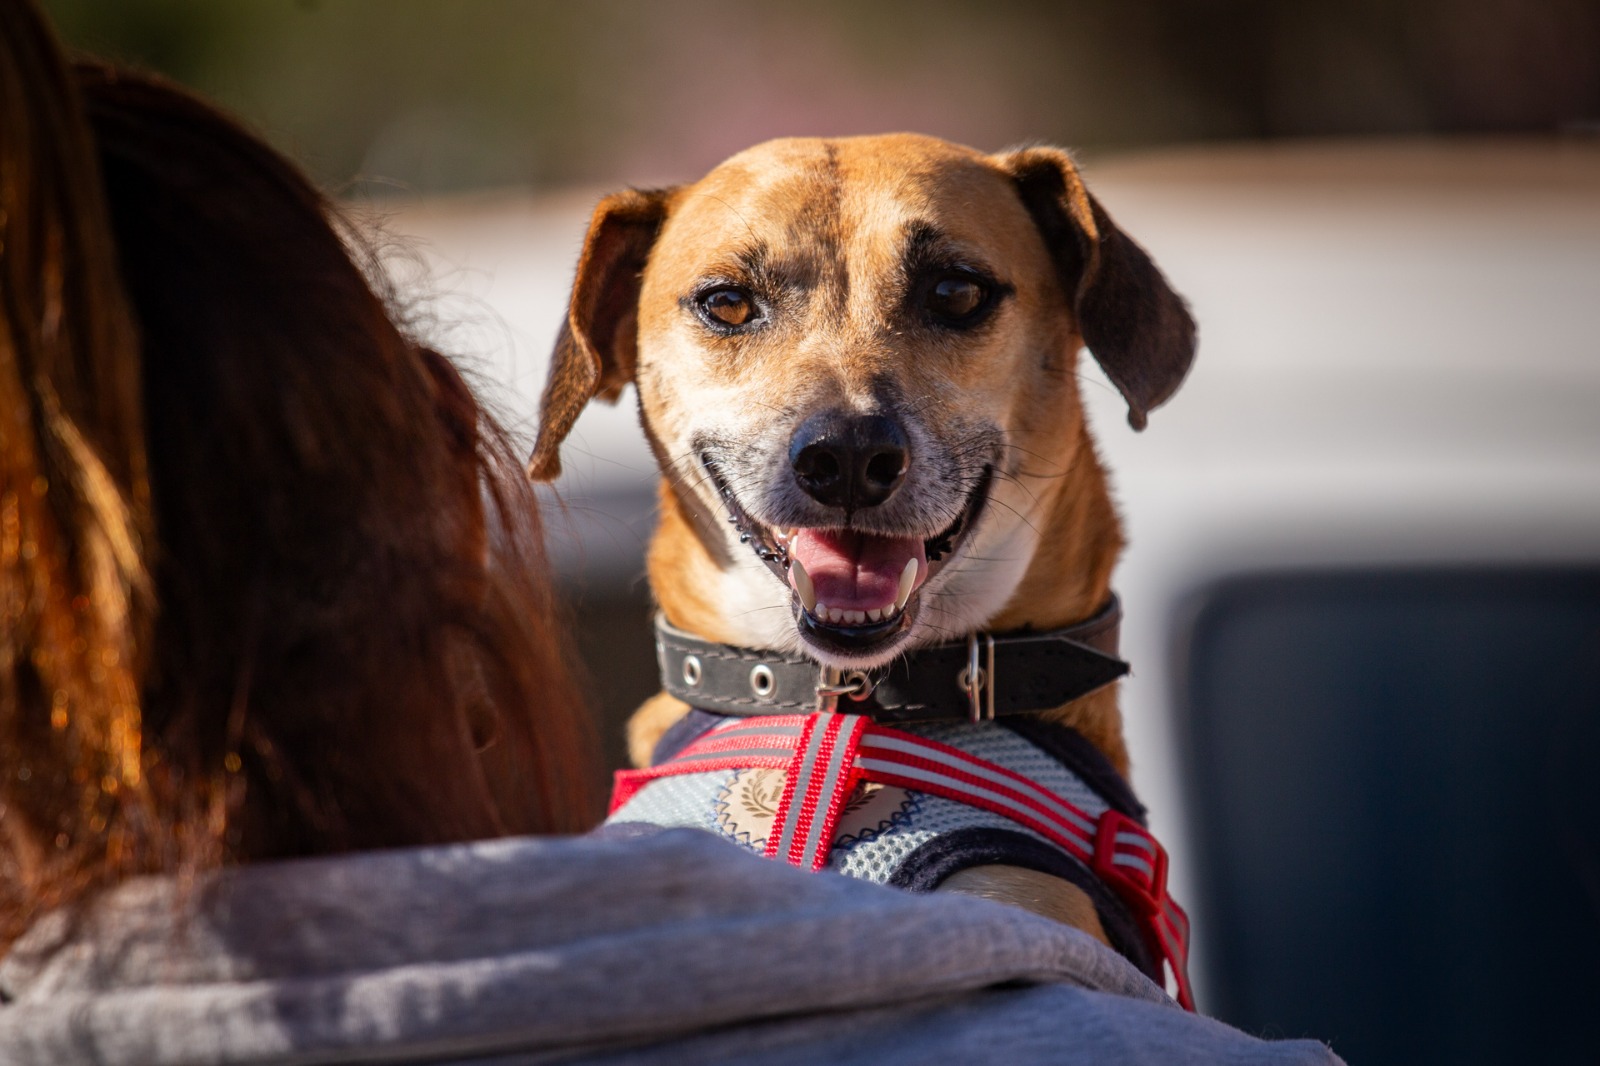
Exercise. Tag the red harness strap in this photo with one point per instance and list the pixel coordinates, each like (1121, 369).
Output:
(825, 756)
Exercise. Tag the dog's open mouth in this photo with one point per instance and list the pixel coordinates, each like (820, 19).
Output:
(852, 589)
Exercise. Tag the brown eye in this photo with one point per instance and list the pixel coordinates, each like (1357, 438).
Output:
(730, 307)
(955, 299)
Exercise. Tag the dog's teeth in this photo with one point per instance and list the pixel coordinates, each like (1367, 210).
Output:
(802, 584)
(908, 578)
(820, 612)
(875, 615)
(855, 618)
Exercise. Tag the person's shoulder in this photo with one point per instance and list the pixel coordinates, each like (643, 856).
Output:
(674, 944)
(1018, 1025)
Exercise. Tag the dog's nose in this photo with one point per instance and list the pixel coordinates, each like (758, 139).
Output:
(849, 461)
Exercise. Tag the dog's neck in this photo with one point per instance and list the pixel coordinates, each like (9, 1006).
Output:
(1068, 579)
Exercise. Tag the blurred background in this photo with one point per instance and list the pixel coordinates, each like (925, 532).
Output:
(439, 97)
(1363, 581)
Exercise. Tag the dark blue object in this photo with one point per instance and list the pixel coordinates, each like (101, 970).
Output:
(1395, 782)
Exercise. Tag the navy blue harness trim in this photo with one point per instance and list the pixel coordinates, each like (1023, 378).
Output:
(961, 849)
(1072, 749)
(685, 731)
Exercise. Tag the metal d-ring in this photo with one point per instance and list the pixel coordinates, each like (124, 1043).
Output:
(856, 684)
(978, 680)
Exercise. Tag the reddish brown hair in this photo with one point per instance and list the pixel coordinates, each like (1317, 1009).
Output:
(272, 582)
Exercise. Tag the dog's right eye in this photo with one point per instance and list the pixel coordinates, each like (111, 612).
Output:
(957, 300)
(728, 307)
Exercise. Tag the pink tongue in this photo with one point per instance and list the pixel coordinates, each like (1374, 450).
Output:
(856, 571)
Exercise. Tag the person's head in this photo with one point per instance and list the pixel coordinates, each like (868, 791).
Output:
(271, 583)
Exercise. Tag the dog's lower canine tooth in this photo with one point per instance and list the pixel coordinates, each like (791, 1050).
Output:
(908, 578)
(802, 584)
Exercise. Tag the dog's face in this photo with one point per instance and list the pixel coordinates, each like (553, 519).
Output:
(856, 362)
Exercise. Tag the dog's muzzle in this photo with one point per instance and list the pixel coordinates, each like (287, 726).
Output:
(853, 586)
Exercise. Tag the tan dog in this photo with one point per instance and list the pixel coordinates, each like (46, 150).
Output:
(863, 352)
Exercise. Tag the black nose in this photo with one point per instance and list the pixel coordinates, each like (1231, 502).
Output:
(849, 461)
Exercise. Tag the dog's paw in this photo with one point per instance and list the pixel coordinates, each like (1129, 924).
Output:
(653, 718)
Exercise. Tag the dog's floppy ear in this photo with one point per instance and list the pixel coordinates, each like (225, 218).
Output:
(1137, 328)
(596, 349)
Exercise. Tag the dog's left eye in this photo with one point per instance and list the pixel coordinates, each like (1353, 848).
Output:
(955, 300)
(728, 307)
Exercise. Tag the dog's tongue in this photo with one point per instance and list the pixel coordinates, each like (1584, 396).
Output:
(857, 571)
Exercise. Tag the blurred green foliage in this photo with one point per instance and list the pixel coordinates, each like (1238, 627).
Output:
(429, 95)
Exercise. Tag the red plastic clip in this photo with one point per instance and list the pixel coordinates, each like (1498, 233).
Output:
(1134, 864)
(1141, 877)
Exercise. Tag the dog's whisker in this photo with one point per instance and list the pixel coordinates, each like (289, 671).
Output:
(1084, 379)
(1012, 446)
(1023, 517)
(760, 610)
(1033, 497)
(735, 213)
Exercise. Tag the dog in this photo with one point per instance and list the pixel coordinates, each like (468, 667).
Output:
(856, 362)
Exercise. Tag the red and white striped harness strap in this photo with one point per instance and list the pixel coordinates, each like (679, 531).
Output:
(825, 756)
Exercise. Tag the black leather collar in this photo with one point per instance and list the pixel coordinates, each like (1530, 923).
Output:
(1015, 673)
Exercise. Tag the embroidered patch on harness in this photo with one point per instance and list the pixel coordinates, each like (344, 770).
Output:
(748, 803)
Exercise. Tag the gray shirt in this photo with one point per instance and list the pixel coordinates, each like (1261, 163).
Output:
(672, 946)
